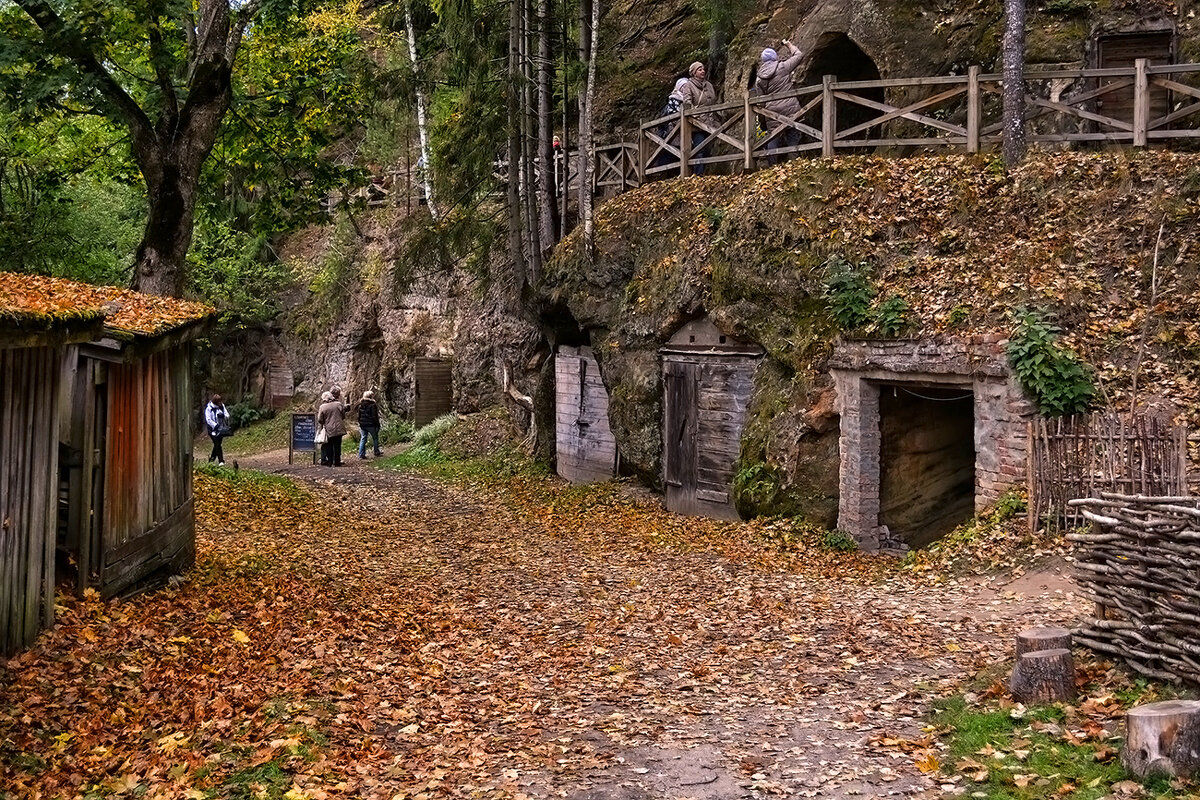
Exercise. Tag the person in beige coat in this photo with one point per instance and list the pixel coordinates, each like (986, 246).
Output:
(774, 77)
(697, 93)
(332, 417)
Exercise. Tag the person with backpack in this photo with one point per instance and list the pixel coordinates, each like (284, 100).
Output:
(775, 76)
(674, 103)
(216, 419)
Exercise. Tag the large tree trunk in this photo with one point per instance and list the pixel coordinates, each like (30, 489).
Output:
(1014, 82)
(162, 255)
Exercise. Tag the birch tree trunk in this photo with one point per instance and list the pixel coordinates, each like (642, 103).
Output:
(529, 147)
(422, 125)
(516, 242)
(1014, 82)
(587, 136)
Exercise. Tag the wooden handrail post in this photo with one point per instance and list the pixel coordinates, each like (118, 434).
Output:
(685, 145)
(828, 117)
(643, 144)
(1141, 102)
(974, 108)
(750, 140)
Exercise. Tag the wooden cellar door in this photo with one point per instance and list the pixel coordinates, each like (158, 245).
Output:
(434, 381)
(679, 432)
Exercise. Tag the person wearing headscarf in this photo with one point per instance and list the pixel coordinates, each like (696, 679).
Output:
(368, 424)
(775, 76)
(697, 93)
(332, 417)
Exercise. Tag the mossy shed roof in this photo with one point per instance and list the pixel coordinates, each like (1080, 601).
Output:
(39, 303)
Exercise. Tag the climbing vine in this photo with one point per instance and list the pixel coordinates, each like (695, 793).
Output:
(1057, 379)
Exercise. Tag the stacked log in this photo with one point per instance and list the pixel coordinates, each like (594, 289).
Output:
(1140, 564)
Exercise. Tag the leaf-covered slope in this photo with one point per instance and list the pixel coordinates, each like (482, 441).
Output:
(962, 241)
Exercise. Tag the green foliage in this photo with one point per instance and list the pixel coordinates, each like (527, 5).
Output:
(396, 430)
(1069, 7)
(893, 316)
(434, 431)
(234, 271)
(246, 412)
(755, 486)
(850, 293)
(1055, 377)
(839, 540)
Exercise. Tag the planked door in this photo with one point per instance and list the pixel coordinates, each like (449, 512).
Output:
(434, 390)
(585, 447)
(1124, 51)
(680, 426)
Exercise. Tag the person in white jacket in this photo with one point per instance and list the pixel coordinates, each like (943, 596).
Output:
(216, 419)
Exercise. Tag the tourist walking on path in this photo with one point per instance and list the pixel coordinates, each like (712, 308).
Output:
(697, 93)
(332, 417)
(775, 76)
(216, 419)
(368, 424)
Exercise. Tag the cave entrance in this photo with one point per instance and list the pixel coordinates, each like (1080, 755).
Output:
(926, 460)
(837, 54)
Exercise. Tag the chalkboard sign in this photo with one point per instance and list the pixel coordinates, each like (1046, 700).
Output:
(303, 435)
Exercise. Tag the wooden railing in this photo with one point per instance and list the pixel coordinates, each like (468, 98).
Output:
(1145, 105)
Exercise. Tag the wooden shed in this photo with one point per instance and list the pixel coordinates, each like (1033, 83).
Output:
(96, 456)
(585, 447)
(36, 332)
(708, 378)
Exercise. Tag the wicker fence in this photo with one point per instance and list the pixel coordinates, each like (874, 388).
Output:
(1084, 456)
(1140, 563)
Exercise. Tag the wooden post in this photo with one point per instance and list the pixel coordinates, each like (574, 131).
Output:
(1043, 676)
(828, 117)
(1163, 739)
(685, 145)
(1141, 102)
(750, 140)
(974, 109)
(643, 145)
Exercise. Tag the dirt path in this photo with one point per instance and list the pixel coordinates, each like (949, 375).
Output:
(572, 659)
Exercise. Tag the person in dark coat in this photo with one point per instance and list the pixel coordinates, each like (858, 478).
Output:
(332, 417)
(368, 424)
(775, 76)
(698, 92)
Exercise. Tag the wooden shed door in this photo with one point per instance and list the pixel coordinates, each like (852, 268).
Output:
(679, 432)
(434, 379)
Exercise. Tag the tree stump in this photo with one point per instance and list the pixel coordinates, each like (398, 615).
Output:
(1163, 739)
(1043, 639)
(1043, 676)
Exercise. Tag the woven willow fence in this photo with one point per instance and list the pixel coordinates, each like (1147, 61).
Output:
(1140, 563)
(1082, 456)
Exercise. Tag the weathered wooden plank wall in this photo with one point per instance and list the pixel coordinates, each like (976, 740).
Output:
(28, 492)
(706, 400)
(584, 443)
(148, 517)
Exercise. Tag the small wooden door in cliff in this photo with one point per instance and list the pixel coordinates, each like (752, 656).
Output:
(585, 446)
(434, 392)
(708, 379)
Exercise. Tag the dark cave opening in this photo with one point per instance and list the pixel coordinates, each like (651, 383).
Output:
(926, 460)
(836, 54)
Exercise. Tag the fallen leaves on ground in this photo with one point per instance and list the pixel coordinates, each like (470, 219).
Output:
(384, 636)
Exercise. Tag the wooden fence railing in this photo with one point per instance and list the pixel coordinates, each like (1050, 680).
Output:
(1140, 564)
(1134, 106)
(1105, 452)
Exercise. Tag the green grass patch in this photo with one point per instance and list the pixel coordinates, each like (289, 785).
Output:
(1004, 751)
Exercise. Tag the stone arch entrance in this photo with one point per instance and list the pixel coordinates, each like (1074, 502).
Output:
(931, 432)
(838, 55)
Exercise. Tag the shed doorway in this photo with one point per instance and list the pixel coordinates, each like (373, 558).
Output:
(926, 460)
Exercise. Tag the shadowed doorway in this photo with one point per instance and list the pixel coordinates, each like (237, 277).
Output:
(836, 54)
(926, 460)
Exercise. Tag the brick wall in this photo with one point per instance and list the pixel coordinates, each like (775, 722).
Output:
(978, 364)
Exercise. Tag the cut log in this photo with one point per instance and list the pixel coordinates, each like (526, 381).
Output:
(1043, 676)
(1163, 739)
(1043, 639)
